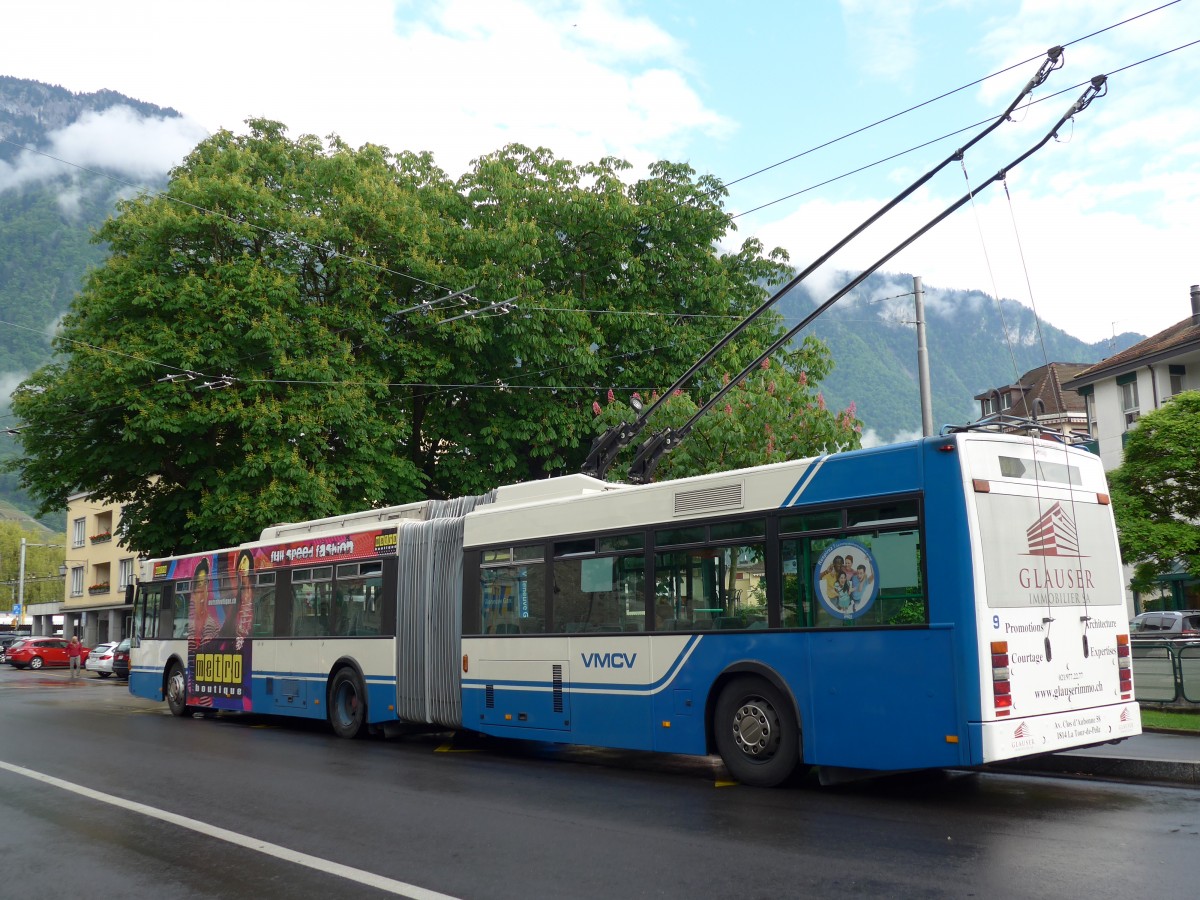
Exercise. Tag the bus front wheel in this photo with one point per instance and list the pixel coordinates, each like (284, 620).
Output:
(347, 704)
(176, 690)
(757, 734)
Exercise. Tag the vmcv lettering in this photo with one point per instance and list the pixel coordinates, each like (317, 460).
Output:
(608, 660)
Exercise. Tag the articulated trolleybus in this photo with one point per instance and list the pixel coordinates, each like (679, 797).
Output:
(949, 602)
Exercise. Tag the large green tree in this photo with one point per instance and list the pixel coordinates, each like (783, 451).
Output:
(1156, 492)
(267, 339)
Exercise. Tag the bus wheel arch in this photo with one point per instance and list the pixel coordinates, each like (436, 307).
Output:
(175, 687)
(754, 724)
(346, 700)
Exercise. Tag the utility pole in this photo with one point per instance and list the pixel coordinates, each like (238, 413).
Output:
(922, 359)
(20, 609)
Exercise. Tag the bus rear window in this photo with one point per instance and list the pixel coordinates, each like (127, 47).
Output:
(1015, 467)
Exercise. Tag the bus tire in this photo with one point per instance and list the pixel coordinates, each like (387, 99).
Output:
(176, 690)
(347, 704)
(756, 731)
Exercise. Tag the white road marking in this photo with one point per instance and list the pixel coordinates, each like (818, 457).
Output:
(370, 879)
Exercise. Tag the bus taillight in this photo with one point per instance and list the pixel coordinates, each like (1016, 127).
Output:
(1001, 687)
(1124, 667)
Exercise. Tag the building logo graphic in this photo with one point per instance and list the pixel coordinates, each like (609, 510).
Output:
(1053, 534)
(1023, 738)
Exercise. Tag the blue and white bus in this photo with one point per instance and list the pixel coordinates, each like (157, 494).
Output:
(949, 602)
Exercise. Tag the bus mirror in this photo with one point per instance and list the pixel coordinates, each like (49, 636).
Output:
(129, 594)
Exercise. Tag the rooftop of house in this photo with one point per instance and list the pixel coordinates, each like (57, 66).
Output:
(1045, 383)
(1182, 337)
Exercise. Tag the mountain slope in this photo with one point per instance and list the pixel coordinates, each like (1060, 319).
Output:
(872, 336)
(49, 210)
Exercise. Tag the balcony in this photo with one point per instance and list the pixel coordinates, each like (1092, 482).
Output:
(101, 588)
(101, 538)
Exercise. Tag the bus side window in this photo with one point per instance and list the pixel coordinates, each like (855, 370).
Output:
(513, 598)
(179, 614)
(796, 593)
(147, 628)
(304, 609)
(672, 591)
(356, 607)
(312, 593)
(583, 595)
(869, 578)
(140, 598)
(264, 605)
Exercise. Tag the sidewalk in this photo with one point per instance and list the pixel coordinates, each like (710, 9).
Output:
(1156, 757)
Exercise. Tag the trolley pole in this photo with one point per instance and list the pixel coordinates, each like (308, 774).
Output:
(922, 359)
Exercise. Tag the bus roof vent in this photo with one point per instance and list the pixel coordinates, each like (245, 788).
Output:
(724, 496)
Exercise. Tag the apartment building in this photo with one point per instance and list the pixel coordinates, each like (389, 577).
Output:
(1120, 389)
(98, 568)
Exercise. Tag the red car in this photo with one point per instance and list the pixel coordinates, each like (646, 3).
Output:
(36, 652)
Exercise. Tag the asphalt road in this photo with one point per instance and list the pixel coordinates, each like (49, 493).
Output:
(238, 807)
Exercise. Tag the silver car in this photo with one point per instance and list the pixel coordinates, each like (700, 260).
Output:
(100, 660)
(1167, 625)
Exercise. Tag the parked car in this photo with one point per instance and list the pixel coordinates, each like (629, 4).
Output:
(1167, 625)
(100, 660)
(36, 652)
(9, 640)
(120, 663)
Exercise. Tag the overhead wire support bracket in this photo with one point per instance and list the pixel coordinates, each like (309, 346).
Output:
(607, 445)
(180, 376)
(427, 305)
(499, 308)
(641, 470)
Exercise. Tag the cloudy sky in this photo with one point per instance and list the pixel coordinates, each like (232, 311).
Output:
(1098, 230)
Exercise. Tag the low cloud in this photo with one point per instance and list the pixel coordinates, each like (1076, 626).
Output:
(118, 141)
(8, 383)
(872, 438)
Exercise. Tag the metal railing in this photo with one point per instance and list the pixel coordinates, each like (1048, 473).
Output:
(1166, 673)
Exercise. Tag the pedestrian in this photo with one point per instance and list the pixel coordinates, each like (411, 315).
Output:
(73, 653)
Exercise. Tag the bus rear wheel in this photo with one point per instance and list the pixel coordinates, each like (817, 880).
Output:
(176, 690)
(757, 734)
(347, 704)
